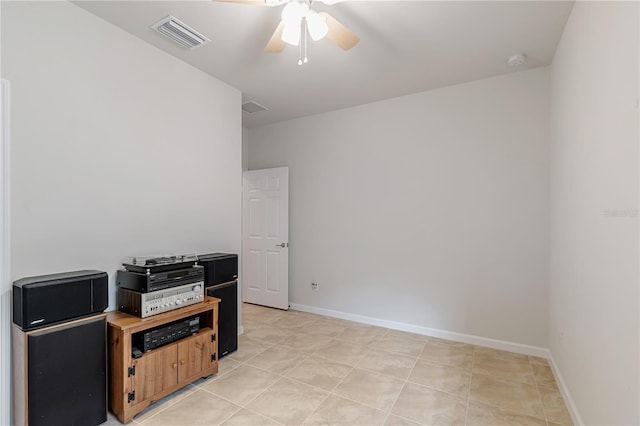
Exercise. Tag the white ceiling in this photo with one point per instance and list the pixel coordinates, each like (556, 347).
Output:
(406, 47)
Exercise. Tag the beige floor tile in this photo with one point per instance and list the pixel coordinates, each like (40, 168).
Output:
(484, 415)
(319, 372)
(370, 388)
(247, 418)
(554, 406)
(342, 352)
(288, 402)
(513, 396)
(544, 375)
(328, 328)
(361, 335)
(242, 384)
(452, 343)
(497, 353)
(504, 367)
(441, 377)
(267, 333)
(391, 364)
(393, 420)
(429, 406)
(293, 320)
(200, 408)
(406, 334)
(263, 314)
(458, 355)
(248, 348)
(306, 342)
(164, 403)
(227, 364)
(339, 411)
(402, 345)
(278, 359)
(537, 360)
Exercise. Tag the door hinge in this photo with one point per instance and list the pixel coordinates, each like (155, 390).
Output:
(213, 337)
(131, 371)
(213, 356)
(131, 396)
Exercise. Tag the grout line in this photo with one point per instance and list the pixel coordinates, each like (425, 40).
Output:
(234, 413)
(473, 360)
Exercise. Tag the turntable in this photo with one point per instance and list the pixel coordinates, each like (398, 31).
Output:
(153, 264)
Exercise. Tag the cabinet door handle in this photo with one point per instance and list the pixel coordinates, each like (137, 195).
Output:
(174, 365)
(182, 362)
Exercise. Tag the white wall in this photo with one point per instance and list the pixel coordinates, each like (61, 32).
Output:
(594, 324)
(118, 148)
(245, 148)
(5, 262)
(429, 209)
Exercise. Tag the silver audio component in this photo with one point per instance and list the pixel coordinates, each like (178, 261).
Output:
(156, 302)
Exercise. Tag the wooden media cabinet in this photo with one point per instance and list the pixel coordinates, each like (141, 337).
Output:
(135, 383)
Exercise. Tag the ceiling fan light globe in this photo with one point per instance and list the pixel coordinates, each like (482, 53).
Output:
(291, 34)
(294, 12)
(291, 18)
(317, 26)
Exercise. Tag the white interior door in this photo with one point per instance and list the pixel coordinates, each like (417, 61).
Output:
(265, 237)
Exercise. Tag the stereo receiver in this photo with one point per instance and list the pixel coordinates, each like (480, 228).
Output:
(159, 336)
(156, 302)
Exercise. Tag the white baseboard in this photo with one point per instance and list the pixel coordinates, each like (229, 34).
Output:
(240, 330)
(426, 331)
(569, 402)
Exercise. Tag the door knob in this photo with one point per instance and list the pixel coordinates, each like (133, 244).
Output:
(283, 245)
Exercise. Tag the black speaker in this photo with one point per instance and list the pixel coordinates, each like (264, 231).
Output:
(219, 268)
(227, 316)
(50, 299)
(64, 368)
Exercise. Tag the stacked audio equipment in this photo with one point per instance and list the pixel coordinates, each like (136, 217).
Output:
(151, 286)
(59, 349)
(149, 358)
(221, 281)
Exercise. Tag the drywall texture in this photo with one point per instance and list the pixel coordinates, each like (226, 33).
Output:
(118, 148)
(429, 209)
(594, 324)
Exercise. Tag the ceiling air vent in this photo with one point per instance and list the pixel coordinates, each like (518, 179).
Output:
(180, 33)
(252, 107)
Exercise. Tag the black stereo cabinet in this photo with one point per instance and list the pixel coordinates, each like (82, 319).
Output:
(60, 374)
(227, 316)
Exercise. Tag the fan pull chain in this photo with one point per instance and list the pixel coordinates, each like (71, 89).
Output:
(300, 53)
(306, 31)
(303, 49)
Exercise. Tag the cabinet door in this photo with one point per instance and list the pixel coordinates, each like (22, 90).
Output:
(194, 355)
(155, 371)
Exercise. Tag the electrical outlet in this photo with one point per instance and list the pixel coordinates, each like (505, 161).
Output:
(314, 286)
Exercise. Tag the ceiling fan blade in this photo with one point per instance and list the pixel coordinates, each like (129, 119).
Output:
(254, 2)
(276, 44)
(339, 34)
(260, 2)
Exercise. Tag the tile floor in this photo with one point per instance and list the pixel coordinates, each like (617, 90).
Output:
(294, 368)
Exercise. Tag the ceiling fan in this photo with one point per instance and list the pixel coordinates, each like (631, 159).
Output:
(298, 20)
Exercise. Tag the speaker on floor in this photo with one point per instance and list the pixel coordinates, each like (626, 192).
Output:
(227, 316)
(64, 368)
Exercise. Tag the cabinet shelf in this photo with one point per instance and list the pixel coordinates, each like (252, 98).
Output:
(135, 383)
